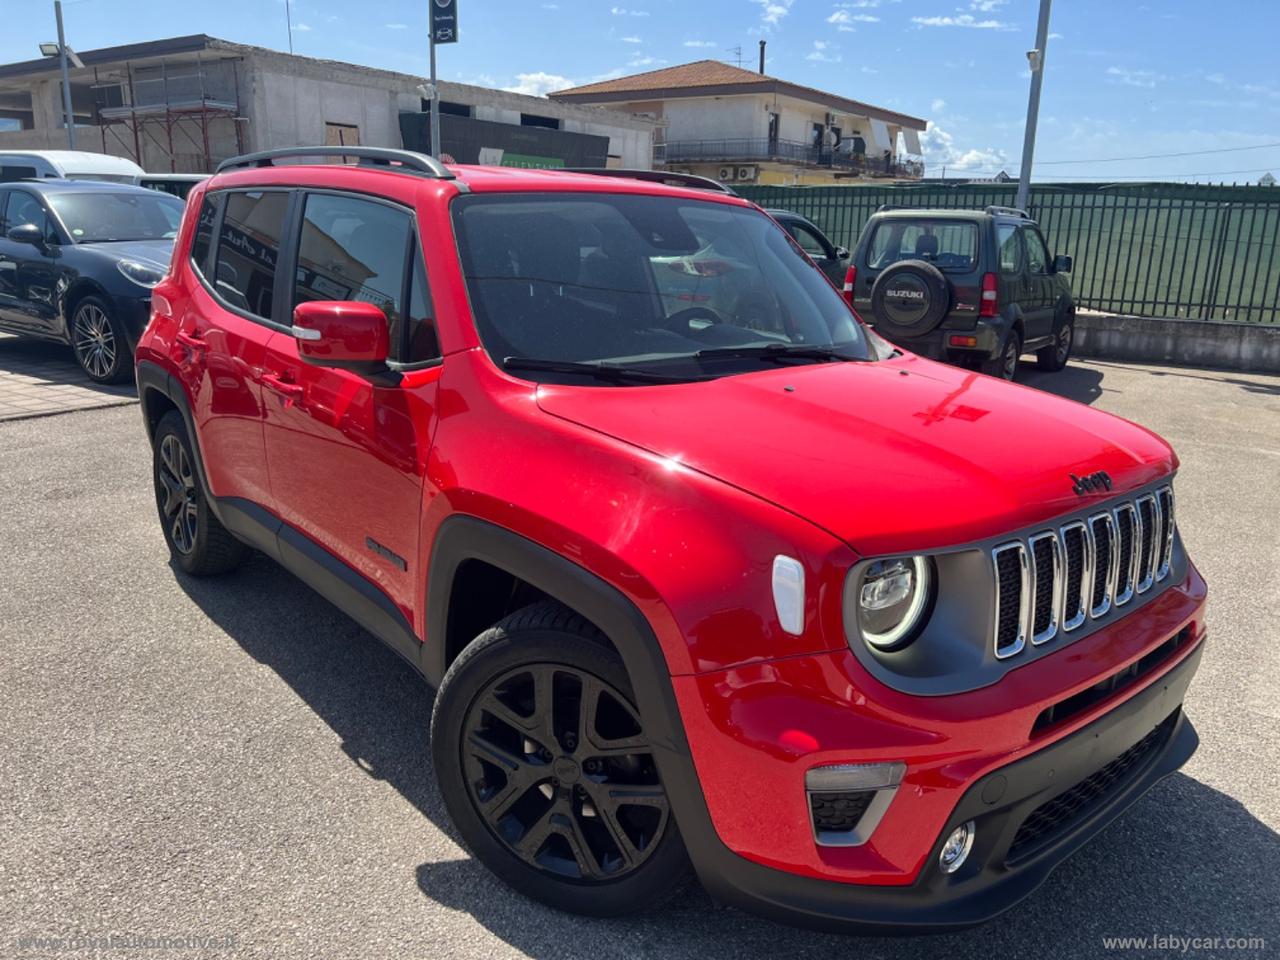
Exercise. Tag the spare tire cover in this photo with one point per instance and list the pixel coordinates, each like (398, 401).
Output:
(910, 298)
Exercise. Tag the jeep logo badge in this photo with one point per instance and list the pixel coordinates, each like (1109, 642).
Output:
(905, 294)
(1090, 483)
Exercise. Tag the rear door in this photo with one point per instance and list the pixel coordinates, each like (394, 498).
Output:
(223, 331)
(348, 455)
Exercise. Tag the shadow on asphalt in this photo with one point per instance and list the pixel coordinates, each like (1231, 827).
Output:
(52, 363)
(1187, 860)
(1083, 384)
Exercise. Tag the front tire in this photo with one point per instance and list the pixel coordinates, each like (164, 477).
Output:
(98, 341)
(547, 772)
(198, 542)
(1055, 356)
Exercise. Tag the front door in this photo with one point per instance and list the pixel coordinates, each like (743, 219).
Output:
(819, 250)
(1037, 305)
(29, 273)
(348, 455)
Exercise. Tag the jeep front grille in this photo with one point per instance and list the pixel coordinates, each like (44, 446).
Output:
(1057, 579)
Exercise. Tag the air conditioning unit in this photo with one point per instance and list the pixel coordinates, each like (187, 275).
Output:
(746, 173)
(726, 174)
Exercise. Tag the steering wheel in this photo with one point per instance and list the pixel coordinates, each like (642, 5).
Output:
(679, 321)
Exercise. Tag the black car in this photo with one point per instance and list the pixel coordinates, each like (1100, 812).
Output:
(78, 260)
(833, 260)
(973, 287)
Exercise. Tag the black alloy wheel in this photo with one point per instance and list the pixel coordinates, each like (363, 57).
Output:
(177, 495)
(560, 771)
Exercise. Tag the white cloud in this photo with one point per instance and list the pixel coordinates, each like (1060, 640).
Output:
(869, 70)
(1134, 78)
(940, 150)
(1056, 36)
(551, 6)
(397, 26)
(963, 20)
(646, 61)
(538, 84)
(624, 12)
(301, 28)
(860, 4)
(822, 52)
(865, 18)
(772, 11)
(938, 105)
(699, 43)
(843, 21)
(987, 6)
(631, 40)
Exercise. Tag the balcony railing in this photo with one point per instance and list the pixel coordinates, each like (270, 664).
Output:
(784, 151)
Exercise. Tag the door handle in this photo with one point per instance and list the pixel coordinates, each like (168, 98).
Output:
(291, 392)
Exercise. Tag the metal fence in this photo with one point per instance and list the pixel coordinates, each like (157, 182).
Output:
(1185, 251)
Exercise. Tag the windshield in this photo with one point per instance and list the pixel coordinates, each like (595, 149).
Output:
(102, 217)
(679, 288)
(947, 244)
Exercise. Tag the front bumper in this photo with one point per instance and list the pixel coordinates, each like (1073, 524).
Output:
(969, 757)
(134, 314)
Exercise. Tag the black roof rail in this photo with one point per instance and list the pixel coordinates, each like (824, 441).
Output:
(1008, 211)
(671, 179)
(403, 161)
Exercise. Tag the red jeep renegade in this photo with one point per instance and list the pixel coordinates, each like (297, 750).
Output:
(707, 575)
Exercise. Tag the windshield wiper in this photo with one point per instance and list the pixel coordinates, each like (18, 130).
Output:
(601, 371)
(776, 351)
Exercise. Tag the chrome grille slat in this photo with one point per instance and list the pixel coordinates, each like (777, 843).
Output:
(1055, 580)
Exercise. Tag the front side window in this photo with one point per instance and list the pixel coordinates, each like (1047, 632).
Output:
(23, 208)
(1010, 250)
(950, 245)
(809, 241)
(662, 284)
(1037, 258)
(353, 249)
(109, 216)
(244, 271)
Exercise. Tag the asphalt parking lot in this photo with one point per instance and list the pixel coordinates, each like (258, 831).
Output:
(234, 759)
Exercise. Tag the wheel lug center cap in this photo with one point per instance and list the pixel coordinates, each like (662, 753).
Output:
(567, 770)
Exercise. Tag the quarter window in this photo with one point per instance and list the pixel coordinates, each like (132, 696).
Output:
(1037, 257)
(354, 249)
(248, 249)
(204, 234)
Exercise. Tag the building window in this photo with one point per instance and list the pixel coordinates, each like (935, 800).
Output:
(533, 120)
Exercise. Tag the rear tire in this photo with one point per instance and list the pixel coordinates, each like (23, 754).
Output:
(546, 770)
(1055, 356)
(1005, 364)
(198, 542)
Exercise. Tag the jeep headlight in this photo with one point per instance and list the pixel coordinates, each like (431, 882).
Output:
(892, 597)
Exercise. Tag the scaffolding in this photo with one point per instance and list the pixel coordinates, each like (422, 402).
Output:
(156, 110)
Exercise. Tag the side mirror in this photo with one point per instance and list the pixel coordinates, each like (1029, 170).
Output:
(350, 334)
(842, 253)
(1062, 263)
(27, 233)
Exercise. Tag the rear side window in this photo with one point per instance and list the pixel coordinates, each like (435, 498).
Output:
(354, 249)
(244, 272)
(1007, 241)
(204, 233)
(947, 244)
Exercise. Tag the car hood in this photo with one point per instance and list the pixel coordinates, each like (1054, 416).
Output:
(892, 456)
(157, 252)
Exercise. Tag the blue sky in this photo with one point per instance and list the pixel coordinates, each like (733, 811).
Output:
(1124, 79)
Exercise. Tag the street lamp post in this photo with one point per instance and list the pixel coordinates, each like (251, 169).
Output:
(66, 80)
(1035, 59)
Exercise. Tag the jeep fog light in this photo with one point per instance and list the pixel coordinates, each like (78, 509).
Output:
(892, 596)
(956, 850)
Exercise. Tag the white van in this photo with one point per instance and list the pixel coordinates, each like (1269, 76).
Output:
(67, 164)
